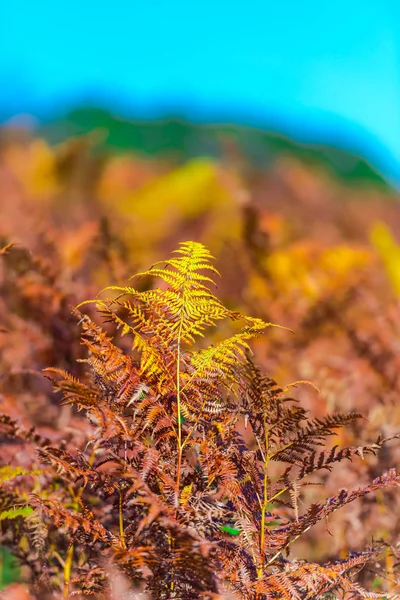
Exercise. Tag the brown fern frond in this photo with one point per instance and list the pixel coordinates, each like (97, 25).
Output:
(188, 477)
(319, 512)
(73, 390)
(82, 525)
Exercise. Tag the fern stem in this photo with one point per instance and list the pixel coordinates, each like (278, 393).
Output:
(260, 569)
(178, 403)
(121, 522)
(289, 543)
(67, 570)
(70, 552)
(178, 407)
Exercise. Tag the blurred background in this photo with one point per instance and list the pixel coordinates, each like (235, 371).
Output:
(321, 79)
(269, 131)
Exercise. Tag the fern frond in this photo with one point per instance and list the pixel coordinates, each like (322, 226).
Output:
(74, 391)
(8, 473)
(318, 512)
(15, 512)
(222, 360)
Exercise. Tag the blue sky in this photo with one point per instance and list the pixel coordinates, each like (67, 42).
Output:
(317, 67)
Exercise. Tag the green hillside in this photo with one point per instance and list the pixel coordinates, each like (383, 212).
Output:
(186, 140)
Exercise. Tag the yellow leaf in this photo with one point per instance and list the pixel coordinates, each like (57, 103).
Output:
(185, 494)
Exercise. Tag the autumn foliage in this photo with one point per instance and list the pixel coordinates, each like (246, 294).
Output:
(191, 450)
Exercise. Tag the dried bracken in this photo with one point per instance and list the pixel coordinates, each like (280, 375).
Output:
(190, 474)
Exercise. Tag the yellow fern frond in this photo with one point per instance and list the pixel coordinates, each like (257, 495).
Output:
(185, 494)
(220, 361)
(162, 321)
(8, 473)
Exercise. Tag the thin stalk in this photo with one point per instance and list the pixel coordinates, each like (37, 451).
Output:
(292, 541)
(121, 521)
(260, 569)
(71, 548)
(178, 404)
(389, 567)
(282, 491)
(59, 558)
(179, 415)
(67, 570)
